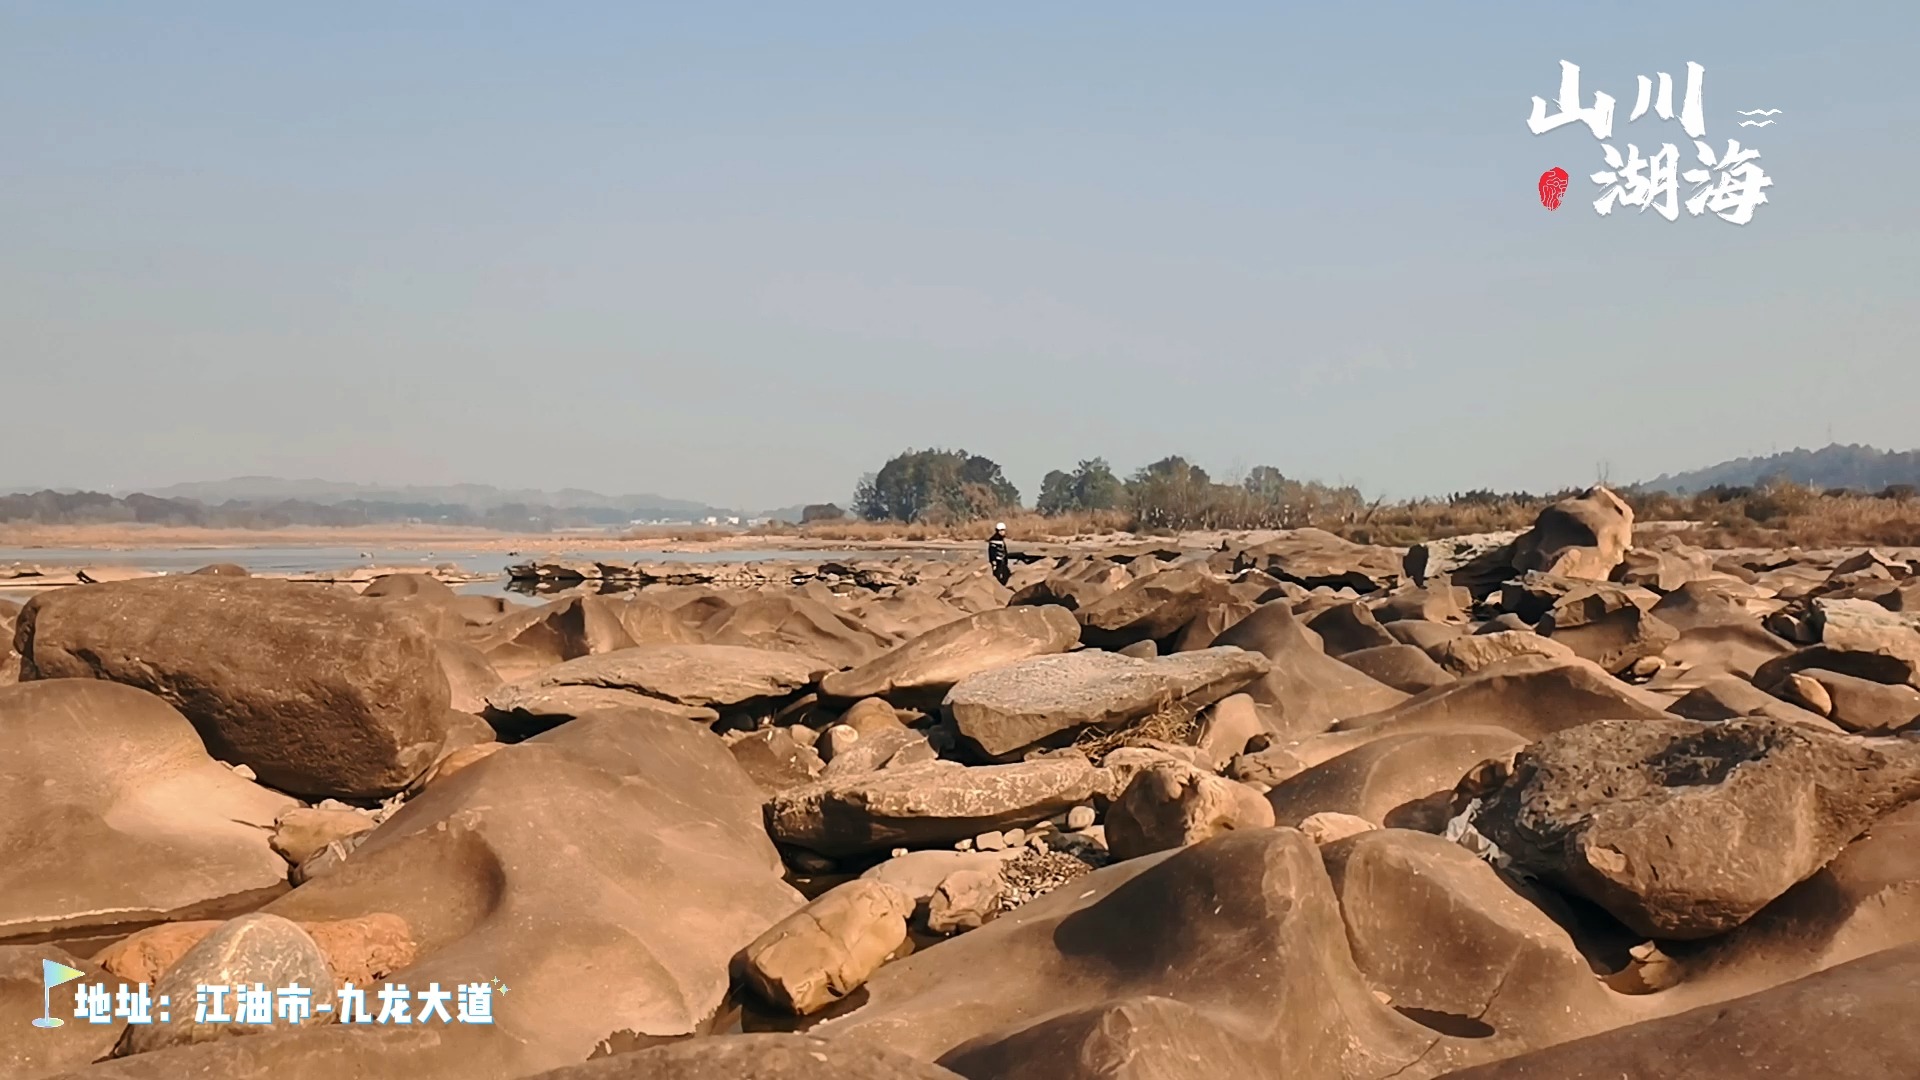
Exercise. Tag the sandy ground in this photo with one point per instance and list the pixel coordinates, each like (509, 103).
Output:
(423, 537)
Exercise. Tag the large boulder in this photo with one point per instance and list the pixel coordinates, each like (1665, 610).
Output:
(635, 841)
(795, 624)
(1227, 958)
(1449, 942)
(1403, 667)
(928, 805)
(1606, 627)
(258, 949)
(520, 709)
(1308, 690)
(817, 956)
(1005, 711)
(1401, 781)
(1853, 1021)
(1585, 536)
(1683, 830)
(1530, 697)
(1478, 562)
(1348, 627)
(723, 677)
(923, 669)
(1153, 608)
(525, 641)
(318, 693)
(1314, 558)
(114, 816)
(1173, 805)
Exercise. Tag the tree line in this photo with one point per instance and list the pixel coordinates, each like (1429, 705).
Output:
(945, 487)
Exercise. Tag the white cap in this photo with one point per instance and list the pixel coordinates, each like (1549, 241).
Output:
(999, 526)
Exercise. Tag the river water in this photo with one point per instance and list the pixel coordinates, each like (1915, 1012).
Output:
(315, 559)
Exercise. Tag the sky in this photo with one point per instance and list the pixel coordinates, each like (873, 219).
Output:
(745, 253)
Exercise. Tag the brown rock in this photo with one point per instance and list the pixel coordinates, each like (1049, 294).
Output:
(922, 670)
(929, 805)
(1309, 690)
(107, 798)
(1477, 652)
(966, 900)
(1582, 537)
(1403, 667)
(1400, 780)
(302, 831)
(1171, 806)
(1853, 1021)
(826, 950)
(319, 694)
(1634, 815)
(259, 948)
(1152, 608)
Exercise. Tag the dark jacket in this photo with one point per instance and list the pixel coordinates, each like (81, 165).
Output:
(997, 554)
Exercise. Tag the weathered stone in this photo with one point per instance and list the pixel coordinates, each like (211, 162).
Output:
(1228, 727)
(923, 669)
(1309, 690)
(1683, 830)
(1606, 627)
(114, 817)
(826, 950)
(774, 760)
(1854, 1020)
(1479, 561)
(929, 805)
(1477, 652)
(528, 640)
(701, 676)
(1328, 827)
(1316, 558)
(1582, 537)
(1103, 972)
(263, 949)
(1348, 627)
(1265, 768)
(522, 709)
(359, 951)
(1725, 697)
(1403, 667)
(301, 832)
(1171, 806)
(1150, 609)
(635, 839)
(1400, 781)
(1450, 943)
(1005, 711)
(1858, 705)
(870, 715)
(966, 900)
(318, 693)
(798, 625)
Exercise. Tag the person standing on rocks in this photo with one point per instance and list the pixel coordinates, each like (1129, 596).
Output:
(997, 553)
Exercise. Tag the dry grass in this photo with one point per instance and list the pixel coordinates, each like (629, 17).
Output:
(1024, 526)
(1173, 725)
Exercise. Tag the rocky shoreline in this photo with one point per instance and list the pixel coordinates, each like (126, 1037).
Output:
(1581, 800)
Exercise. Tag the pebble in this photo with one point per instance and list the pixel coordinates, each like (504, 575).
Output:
(991, 841)
(1034, 874)
(1079, 818)
(963, 845)
(1014, 837)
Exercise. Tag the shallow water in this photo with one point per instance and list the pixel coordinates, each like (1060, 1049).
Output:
(297, 559)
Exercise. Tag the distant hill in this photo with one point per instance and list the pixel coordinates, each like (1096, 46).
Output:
(1861, 468)
(475, 497)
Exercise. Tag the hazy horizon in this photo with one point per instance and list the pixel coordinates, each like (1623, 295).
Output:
(743, 255)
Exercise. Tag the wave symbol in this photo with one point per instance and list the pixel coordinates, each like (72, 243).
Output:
(1760, 112)
(1755, 123)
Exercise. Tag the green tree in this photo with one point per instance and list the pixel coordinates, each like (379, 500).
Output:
(935, 486)
(1090, 486)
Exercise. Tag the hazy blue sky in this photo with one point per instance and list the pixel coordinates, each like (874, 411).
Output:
(744, 253)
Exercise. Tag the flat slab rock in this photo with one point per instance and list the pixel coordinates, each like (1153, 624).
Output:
(928, 805)
(696, 675)
(1008, 709)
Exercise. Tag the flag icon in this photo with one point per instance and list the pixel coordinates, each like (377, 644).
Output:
(52, 974)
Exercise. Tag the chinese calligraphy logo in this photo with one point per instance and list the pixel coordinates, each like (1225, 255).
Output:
(1728, 184)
